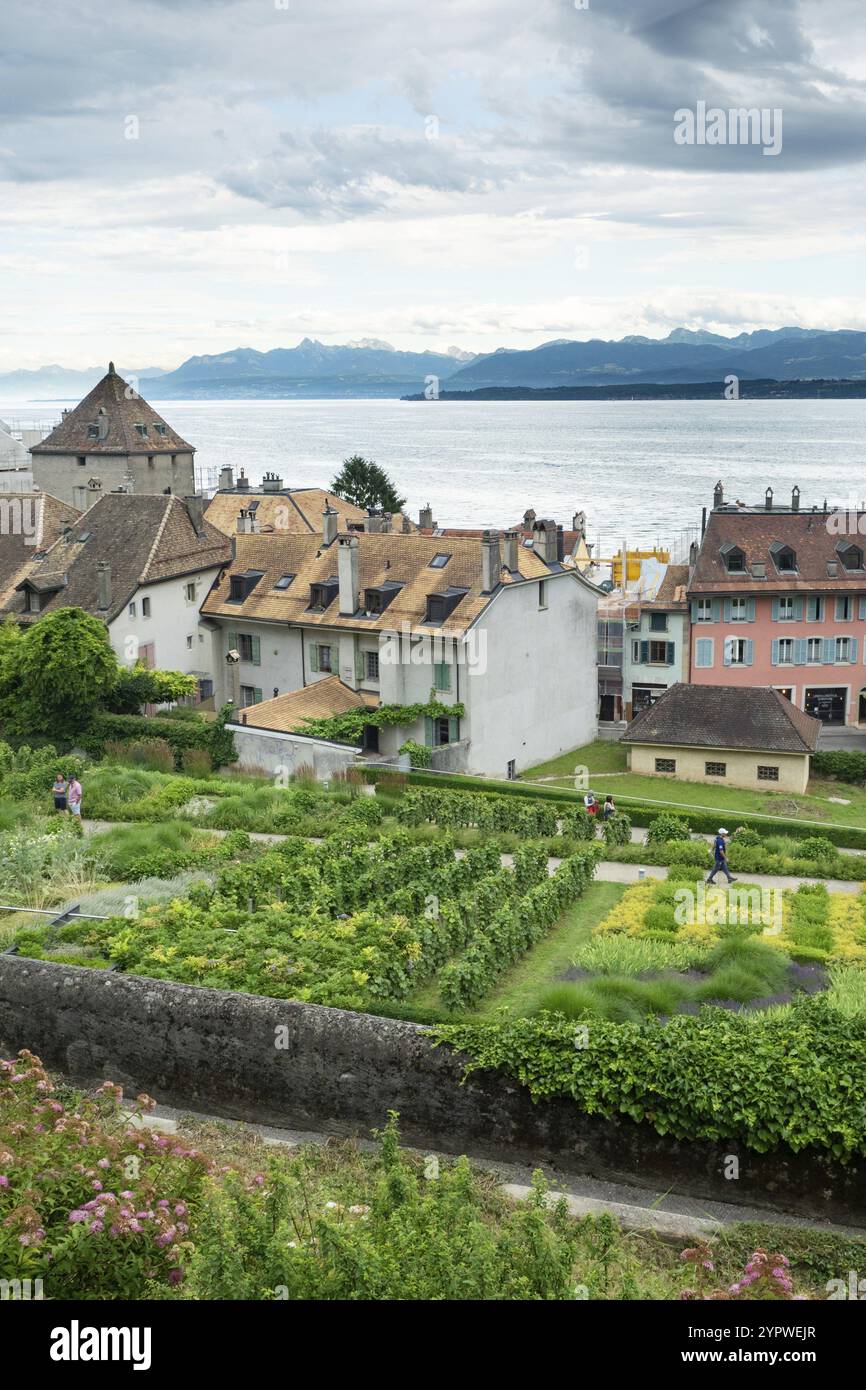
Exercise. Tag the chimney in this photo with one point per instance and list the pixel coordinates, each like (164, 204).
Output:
(243, 483)
(528, 518)
(703, 521)
(348, 572)
(490, 562)
(406, 526)
(768, 500)
(693, 553)
(227, 480)
(560, 544)
(578, 524)
(272, 483)
(795, 500)
(425, 518)
(103, 583)
(375, 523)
(510, 552)
(330, 518)
(718, 495)
(544, 534)
(195, 508)
(246, 523)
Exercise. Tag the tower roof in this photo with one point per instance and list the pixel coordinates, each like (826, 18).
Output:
(113, 419)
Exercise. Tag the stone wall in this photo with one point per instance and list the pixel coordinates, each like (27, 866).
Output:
(303, 1066)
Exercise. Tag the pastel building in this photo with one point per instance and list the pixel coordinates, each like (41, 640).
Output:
(778, 598)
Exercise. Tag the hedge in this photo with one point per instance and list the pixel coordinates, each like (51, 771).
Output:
(180, 734)
(844, 766)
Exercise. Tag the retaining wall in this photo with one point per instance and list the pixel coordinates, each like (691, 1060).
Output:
(304, 1066)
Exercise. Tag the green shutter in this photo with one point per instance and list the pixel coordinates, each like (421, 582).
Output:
(798, 608)
(671, 653)
(775, 610)
(727, 610)
(839, 605)
(774, 653)
(257, 696)
(852, 646)
(360, 669)
(644, 652)
(750, 651)
(452, 731)
(428, 731)
(233, 641)
(863, 607)
(694, 610)
(801, 650)
(442, 676)
(257, 651)
(750, 610)
(829, 652)
(717, 610)
(314, 656)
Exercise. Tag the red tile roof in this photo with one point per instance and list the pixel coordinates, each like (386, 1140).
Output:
(815, 538)
(114, 402)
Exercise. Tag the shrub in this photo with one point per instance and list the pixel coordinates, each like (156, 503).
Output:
(664, 828)
(152, 753)
(196, 762)
(617, 829)
(819, 848)
(419, 754)
(845, 766)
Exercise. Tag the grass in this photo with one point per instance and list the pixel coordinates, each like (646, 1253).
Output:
(603, 755)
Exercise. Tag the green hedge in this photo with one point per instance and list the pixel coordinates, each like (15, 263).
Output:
(844, 766)
(180, 734)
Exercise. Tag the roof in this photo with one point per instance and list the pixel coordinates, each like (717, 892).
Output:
(30, 522)
(571, 540)
(725, 716)
(671, 595)
(383, 558)
(145, 538)
(287, 713)
(813, 536)
(293, 510)
(121, 408)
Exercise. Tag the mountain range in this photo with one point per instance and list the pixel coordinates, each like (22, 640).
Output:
(372, 368)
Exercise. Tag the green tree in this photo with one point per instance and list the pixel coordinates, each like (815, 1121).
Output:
(364, 483)
(55, 676)
(137, 686)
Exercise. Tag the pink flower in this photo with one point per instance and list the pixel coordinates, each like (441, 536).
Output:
(175, 1276)
(75, 1216)
(96, 1227)
(4, 1181)
(96, 1185)
(103, 1163)
(180, 1209)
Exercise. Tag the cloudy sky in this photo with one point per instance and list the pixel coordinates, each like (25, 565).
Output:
(187, 176)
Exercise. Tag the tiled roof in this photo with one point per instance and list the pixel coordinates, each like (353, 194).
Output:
(725, 716)
(121, 409)
(286, 713)
(671, 596)
(808, 534)
(296, 511)
(382, 558)
(145, 538)
(31, 522)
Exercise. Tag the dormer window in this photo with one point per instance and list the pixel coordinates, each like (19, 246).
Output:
(377, 598)
(851, 557)
(784, 558)
(441, 606)
(161, 428)
(242, 585)
(92, 431)
(142, 430)
(323, 594)
(34, 601)
(735, 560)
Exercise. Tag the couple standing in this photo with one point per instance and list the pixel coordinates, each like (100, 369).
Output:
(67, 795)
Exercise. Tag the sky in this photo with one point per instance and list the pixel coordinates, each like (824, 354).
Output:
(190, 176)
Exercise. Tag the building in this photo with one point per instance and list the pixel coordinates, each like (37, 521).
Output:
(502, 630)
(240, 506)
(570, 542)
(30, 523)
(656, 646)
(112, 440)
(143, 564)
(750, 736)
(778, 597)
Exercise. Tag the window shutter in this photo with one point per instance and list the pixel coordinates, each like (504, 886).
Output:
(728, 650)
(428, 731)
(863, 606)
(775, 610)
(840, 603)
(671, 653)
(852, 649)
(360, 668)
(258, 696)
(257, 651)
(452, 731)
(829, 651)
(801, 650)
(717, 610)
(314, 656)
(750, 610)
(819, 610)
(635, 652)
(750, 651)
(644, 651)
(695, 610)
(727, 610)
(233, 641)
(798, 608)
(774, 652)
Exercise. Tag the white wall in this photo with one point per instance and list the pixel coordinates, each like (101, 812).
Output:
(647, 673)
(173, 619)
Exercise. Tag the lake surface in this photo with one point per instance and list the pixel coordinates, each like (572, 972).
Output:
(641, 470)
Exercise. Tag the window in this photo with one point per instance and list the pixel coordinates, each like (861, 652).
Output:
(131, 610)
(786, 608)
(736, 651)
(442, 676)
(658, 622)
(324, 658)
(250, 695)
(142, 430)
(786, 651)
(715, 769)
(511, 769)
(542, 593)
(245, 646)
(666, 764)
(284, 581)
(439, 561)
(189, 641)
(851, 557)
(161, 428)
(34, 601)
(658, 653)
(767, 774)
(844, 608)
(81, 461)
(786, 561)
(739, 610)
(190, 592)
(814, 609)
(442, 731)
(735, 561)
(145, 607)
(92, 431)
(813, 651)
(635, 653)
(321, 595)
(843, 648)
(704, 652)
(242, 585)
(705, 610)
(372, 661)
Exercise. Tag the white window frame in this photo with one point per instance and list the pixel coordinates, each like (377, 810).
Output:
(786, 601)
(739, 610)
(705, 610)
(786, 644)
(844, 644)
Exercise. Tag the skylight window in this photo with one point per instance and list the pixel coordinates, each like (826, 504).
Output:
(439, 561)
(284, 581)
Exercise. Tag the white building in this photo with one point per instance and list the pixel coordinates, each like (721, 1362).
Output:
(498, 630)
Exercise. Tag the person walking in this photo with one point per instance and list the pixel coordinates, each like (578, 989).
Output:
(74, 797)
(609, 809)
(590, 803)
(720, 855)
(59, 790)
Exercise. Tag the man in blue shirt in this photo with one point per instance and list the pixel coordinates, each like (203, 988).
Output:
(720, 852)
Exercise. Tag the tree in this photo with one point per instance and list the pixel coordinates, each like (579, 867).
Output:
(364, 483)
(55, 676)
(137, 686)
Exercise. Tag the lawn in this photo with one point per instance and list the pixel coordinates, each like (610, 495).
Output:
(603, 755)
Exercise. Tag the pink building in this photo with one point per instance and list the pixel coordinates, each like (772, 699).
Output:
(778, 598)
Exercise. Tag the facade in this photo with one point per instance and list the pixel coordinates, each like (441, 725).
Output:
(778, 598)
(751, 737)
(112, 440)
(643, 644)
(504, 631)
(144, 566)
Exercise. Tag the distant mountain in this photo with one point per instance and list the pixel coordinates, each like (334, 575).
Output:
(369, 367)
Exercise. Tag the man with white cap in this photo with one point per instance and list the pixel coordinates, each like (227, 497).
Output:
(720, 852)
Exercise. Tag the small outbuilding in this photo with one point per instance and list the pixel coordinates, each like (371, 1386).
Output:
(739, 736)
